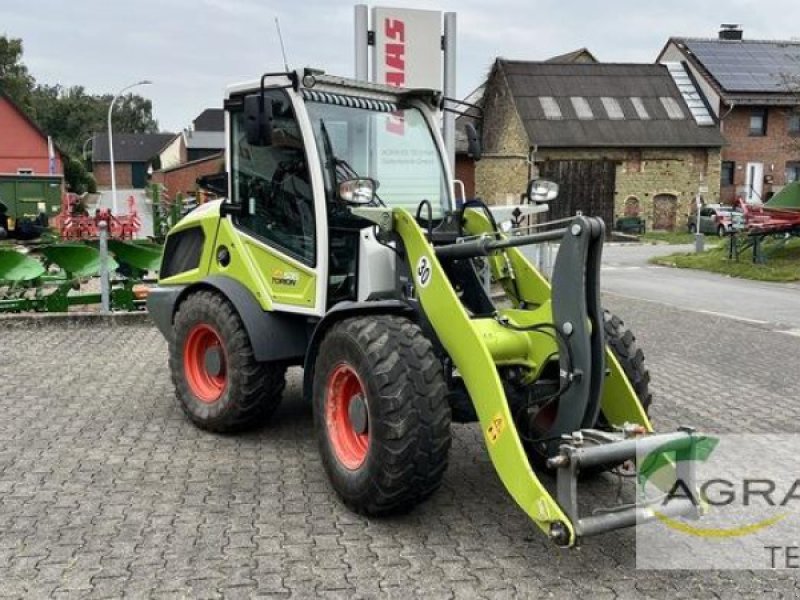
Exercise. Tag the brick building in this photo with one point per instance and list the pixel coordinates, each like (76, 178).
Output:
(752, 88)
(133, 155)
(620, 139)
(182, 179)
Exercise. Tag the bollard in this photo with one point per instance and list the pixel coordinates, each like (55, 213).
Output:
(105, 295)
(699, 242)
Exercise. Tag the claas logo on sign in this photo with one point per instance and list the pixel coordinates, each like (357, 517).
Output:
(395, 61)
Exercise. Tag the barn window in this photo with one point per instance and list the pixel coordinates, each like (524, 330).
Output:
(674, 110)
(550, 107)
(24, 171)
(613, 108)
(582, 108)
(638, 106)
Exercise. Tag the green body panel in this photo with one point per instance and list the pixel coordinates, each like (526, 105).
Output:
(270, 277)
(464, 342)
(207, 217)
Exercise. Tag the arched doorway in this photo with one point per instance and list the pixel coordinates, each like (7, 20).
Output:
(632, 207)
(665, 211)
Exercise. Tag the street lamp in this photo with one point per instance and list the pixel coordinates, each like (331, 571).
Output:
(111, 142)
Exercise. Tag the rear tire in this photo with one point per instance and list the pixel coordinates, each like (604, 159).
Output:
(380, 413)
(218, 382)
(721, 231)
(692, 228)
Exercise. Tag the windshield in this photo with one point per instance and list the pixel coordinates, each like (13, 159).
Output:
(397, 149)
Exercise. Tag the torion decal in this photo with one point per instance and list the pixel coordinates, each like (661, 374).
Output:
(423, 271)
(281, 277)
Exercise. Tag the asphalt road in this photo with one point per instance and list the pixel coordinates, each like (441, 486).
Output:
(106, 489)
(626, 272)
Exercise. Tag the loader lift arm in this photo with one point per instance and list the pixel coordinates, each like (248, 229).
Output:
(477, 346)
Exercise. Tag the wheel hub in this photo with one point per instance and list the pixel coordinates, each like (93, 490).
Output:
(204, 363)
(357, 411)
(213, 361)
(347, 416)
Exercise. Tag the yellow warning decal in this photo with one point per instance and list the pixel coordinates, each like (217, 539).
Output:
(496, 428)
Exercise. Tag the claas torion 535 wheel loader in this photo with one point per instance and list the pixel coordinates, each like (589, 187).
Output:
(341, 249)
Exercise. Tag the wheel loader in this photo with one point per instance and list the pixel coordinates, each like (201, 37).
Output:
(341, 248)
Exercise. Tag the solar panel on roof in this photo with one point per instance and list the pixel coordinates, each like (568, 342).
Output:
(749, 66)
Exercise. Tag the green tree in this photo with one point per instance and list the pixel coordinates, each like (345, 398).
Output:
(15, 81)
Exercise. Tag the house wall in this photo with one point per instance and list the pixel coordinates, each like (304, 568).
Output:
(183, 179)
(21, 145)
(773, 149)
(123, 172)
(173, 154)
(502, 174)
(644, 174)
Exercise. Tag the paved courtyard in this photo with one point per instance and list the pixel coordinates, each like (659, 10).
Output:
(105, 488)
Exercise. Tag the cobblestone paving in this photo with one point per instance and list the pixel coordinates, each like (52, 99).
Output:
(106, 489)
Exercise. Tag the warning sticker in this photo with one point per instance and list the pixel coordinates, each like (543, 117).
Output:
(495, 429)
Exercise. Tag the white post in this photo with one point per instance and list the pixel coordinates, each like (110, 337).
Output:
(105, 280)
(361, 43)
(111, 143)
(449, 88)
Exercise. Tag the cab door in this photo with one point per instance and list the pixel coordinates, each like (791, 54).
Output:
(275, 247)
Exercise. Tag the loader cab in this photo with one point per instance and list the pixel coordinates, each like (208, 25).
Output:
(286, 173)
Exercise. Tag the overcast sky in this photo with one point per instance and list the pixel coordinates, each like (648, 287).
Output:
(192, 49)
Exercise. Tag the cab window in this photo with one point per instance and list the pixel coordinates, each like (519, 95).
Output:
(276, 182)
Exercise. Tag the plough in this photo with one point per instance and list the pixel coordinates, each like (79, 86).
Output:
(49, 277)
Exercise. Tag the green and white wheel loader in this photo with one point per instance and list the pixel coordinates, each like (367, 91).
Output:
(342, 249)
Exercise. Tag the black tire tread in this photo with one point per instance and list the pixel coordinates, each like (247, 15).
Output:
(623, 344)
(414, 414)
(255, 388)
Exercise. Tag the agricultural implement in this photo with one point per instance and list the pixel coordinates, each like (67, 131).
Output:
(341, 249)
(48, 278)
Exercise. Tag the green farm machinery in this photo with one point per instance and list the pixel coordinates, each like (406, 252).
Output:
(49, 277)
(342, 249)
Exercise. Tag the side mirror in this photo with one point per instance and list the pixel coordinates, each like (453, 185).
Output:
(541, 190)
(358, 191)
(474, 149)
(258, 120)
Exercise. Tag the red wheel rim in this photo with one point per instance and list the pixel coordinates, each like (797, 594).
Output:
(349, 445)
(206, 385)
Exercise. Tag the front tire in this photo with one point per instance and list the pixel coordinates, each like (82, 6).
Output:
(380, 413)
(631, 358)
(218, 382)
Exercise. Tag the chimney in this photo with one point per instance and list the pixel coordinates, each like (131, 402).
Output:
(730, 31)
